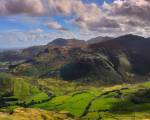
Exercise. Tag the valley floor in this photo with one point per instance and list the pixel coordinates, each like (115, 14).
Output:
(33, 98)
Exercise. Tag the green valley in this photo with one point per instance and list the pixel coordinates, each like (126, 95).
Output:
(78, 100)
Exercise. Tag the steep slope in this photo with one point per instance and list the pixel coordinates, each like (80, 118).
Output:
(134, 49)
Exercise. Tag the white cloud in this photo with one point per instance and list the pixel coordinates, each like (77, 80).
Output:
(55, 25)
(132, 15)
(119, 17)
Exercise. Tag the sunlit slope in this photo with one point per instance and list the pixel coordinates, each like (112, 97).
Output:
(81, 101)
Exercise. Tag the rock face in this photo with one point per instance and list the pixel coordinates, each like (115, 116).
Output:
(123, 59)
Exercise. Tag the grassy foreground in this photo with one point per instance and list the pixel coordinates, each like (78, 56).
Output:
(34, 114)
(76, 100)
(122, 102)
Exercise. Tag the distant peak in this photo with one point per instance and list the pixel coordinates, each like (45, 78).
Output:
(66, 42)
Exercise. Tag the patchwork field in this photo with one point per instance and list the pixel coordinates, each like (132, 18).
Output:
(79, 101)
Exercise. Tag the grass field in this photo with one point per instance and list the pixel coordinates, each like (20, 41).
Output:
(81, 101)
(117, 102)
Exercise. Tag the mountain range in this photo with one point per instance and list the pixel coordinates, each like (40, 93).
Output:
(110, 61)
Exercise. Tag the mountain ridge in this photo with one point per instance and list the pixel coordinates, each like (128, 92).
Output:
(114, 61)
(99, 39)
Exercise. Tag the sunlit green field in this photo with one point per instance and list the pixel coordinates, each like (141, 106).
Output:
(81, 101)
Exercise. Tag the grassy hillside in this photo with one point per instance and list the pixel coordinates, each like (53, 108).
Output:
(81, 101)
(19, 91)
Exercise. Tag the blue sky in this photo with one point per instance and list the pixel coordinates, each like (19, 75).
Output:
(38, 22)
(98, 1)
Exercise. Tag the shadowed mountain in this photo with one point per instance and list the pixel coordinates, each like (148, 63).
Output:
(98, 39)
(125, 42)
(135, 48)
